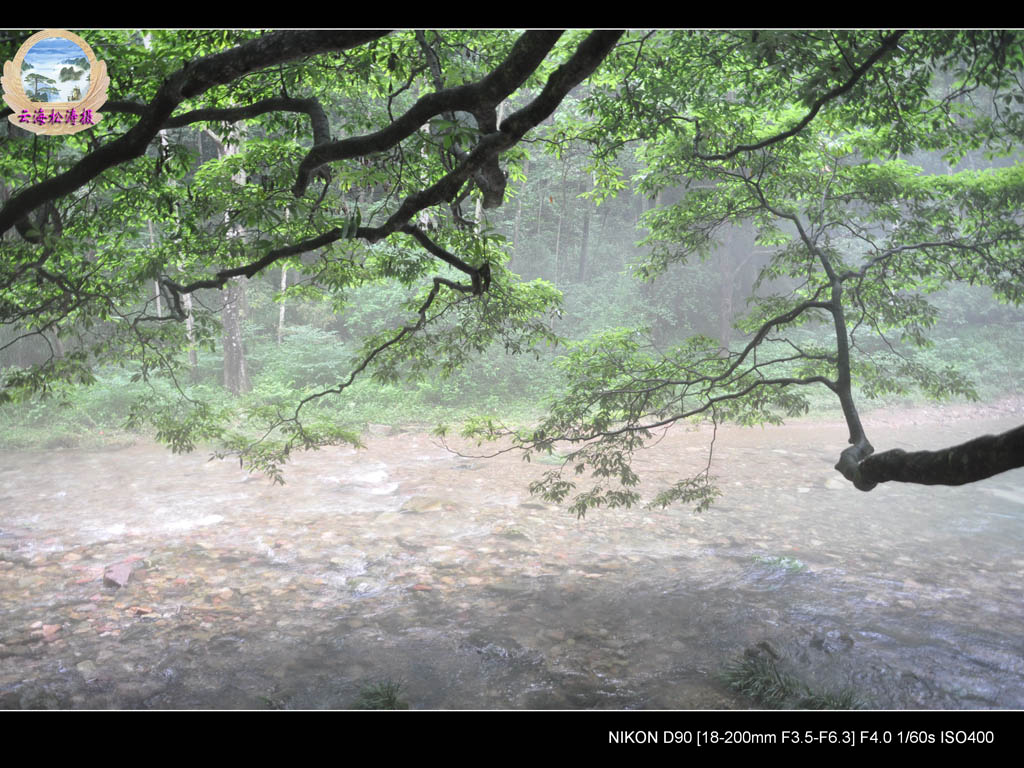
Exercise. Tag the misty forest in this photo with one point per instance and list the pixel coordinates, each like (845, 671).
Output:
(444, 369)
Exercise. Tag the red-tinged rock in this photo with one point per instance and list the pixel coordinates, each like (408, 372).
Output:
(117, 575)
(50, 631)
(85, 580)
(96, 598)
(422, 588)
(139, 610)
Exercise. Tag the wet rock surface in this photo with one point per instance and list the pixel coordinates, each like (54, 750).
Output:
(133, 578)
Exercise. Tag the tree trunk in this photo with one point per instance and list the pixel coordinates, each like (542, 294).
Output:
(236, 374)
(519, 207)
(478, 215)
(637, 208)
(581, 274)
(561, 224)
(190, 334)
(540, 209)
(156, 284)
(604, 223)
(725, 287)
(280, 314)
(58, 345)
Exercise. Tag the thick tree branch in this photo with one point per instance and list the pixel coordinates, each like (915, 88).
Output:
(958, 465)
(190, 81)
(583, 62)
(527, 54)
(860, 446)
(529, 51)
(489, 178)
(248, 270)
(481, 275)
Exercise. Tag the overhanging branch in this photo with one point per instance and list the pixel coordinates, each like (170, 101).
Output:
(527, 54)
(188, 82)
(590, 53)
(957, 465)
(480, 276)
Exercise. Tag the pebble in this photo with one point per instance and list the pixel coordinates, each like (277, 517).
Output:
(117, 575)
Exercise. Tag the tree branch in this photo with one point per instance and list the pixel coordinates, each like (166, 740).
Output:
(529, 51)
(480, 276)
(957, 465)
(887, 45)
(188, 82)
(527, 54)
(583, 62)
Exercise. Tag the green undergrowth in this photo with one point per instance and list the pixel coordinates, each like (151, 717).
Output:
(509, 389)
(758, 677)
(386, 694)
(95, 416)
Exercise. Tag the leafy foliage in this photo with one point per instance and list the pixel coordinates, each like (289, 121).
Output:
(817, 169)
(802, 136)
(211, 197)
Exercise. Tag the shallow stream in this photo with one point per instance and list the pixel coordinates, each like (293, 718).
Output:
(405, 562)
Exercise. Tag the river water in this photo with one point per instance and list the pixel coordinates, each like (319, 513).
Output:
(404, 562)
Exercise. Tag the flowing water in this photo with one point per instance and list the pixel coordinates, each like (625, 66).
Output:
(406, 562)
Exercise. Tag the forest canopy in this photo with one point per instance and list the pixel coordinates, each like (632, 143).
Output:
(395, 184)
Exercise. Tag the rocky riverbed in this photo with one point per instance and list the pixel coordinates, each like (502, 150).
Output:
(133, 578)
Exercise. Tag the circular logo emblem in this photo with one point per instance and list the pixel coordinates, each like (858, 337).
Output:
(55, 85)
